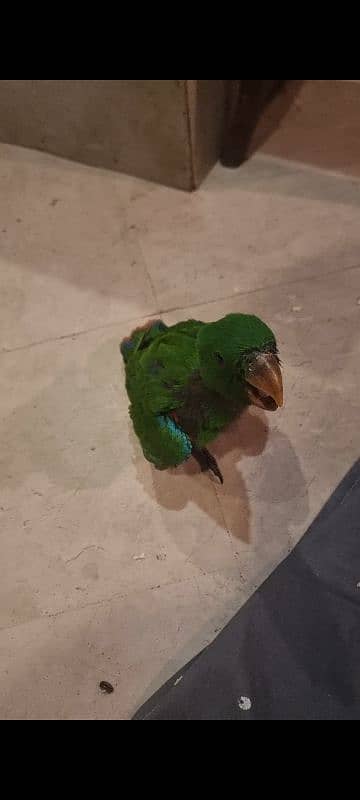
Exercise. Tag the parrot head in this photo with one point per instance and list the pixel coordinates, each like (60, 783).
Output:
(239, 359)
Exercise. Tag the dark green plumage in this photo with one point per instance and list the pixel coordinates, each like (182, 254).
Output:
(188, 381)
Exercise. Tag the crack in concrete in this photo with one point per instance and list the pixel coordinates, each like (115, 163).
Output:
(155, 312)
(90, 547)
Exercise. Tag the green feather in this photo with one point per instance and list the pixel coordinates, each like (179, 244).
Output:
(187, 382)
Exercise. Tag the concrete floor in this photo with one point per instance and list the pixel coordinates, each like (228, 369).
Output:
(109, 569)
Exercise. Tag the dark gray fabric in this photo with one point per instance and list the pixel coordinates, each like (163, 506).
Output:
(294, 649)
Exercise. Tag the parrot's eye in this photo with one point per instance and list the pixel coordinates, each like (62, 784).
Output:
(219, 358)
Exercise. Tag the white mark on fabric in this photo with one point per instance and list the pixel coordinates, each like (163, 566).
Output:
(245, 704)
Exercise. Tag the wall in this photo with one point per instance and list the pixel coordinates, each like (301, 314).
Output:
(139, 127)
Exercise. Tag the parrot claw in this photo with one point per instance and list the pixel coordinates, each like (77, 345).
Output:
(207, 462)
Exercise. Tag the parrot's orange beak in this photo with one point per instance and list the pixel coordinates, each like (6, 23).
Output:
(264, 382)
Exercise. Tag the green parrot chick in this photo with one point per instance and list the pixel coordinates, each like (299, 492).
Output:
(187, 382)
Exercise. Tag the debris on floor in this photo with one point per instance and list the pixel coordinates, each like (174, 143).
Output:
(106, 687)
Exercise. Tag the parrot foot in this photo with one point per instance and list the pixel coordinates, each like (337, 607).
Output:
(207, 462)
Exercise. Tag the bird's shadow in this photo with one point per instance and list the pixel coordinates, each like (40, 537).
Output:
(176, 489)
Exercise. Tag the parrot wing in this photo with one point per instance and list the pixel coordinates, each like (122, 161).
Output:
(157, 381)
